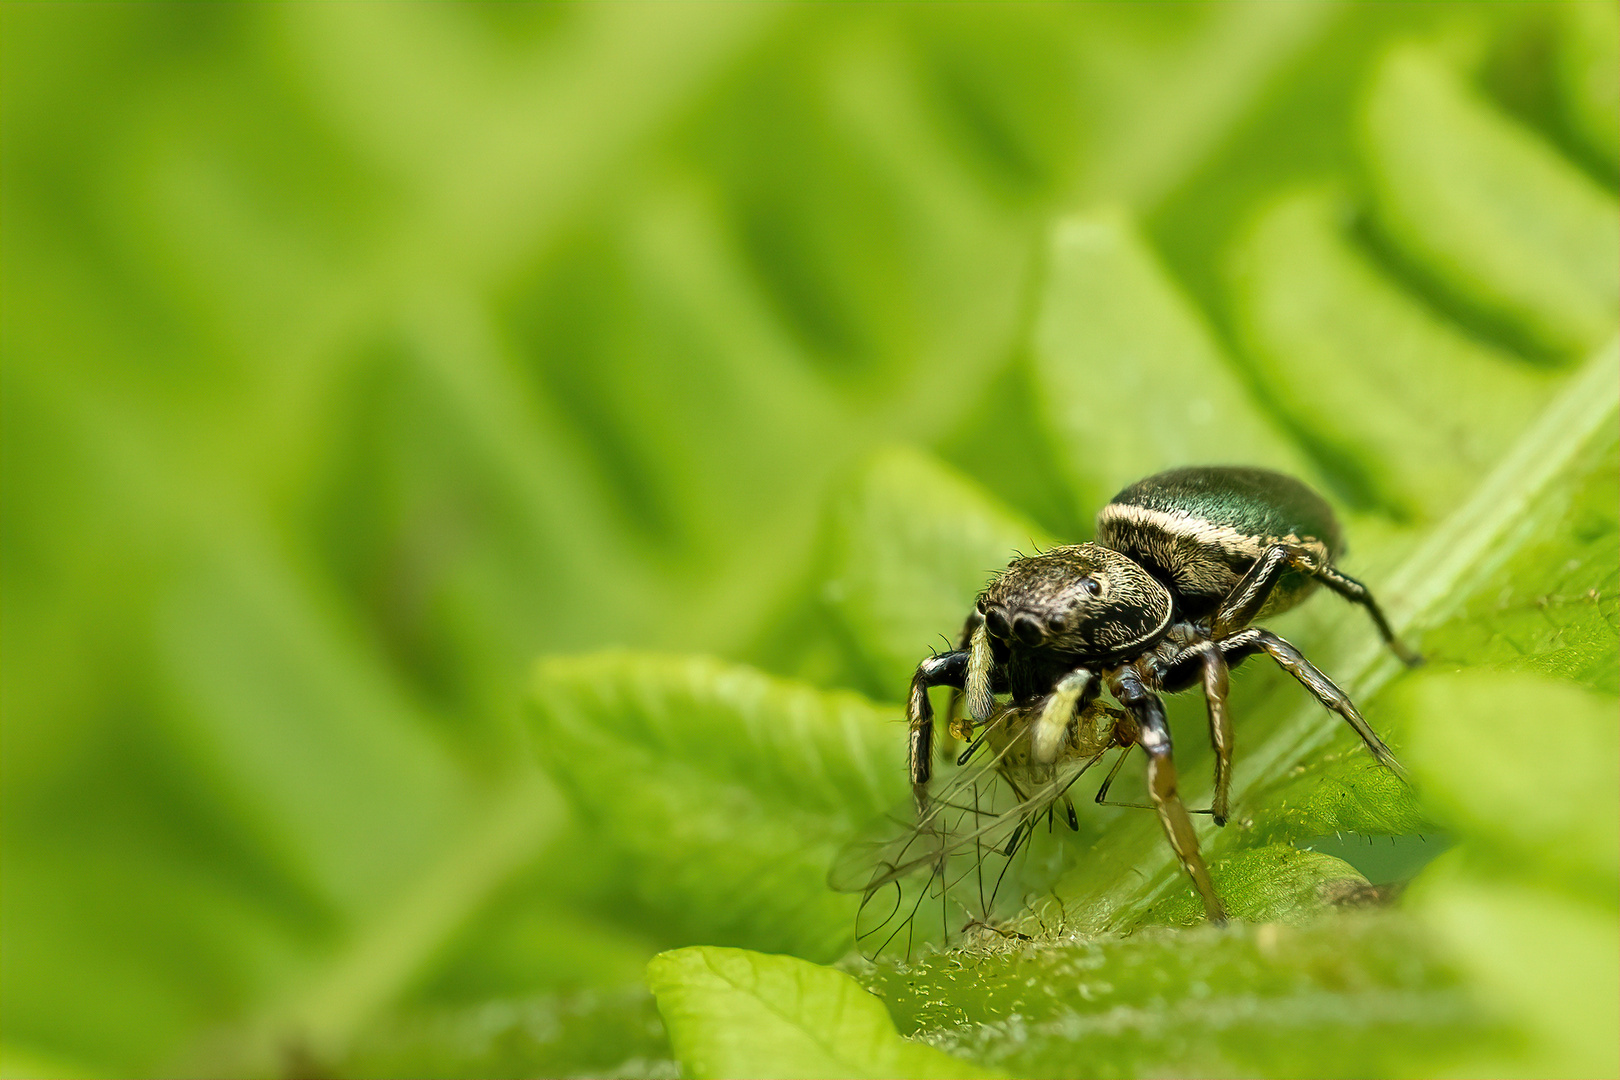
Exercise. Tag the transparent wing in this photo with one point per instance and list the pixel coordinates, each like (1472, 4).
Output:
(925, 875)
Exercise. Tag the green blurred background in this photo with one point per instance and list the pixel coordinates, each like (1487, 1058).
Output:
(355, 355)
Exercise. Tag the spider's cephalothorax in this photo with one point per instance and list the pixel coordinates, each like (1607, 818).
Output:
(1183, 563)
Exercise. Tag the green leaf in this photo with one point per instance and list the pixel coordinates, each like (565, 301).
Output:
(1275, 884)
(1491, 213)
(1540, 961)
(1416, 406)
(1468, 730)
(1355, 995)
(1112, 333)
(1337, 792)
(1553, 608)
(355, 356)
(1523, 488)
(591, 1033)
(736, 1013)
(725, 791)
(17, 1064)
(1529, 903)
(1589, 77)
(1566, 461)
(1558, 459)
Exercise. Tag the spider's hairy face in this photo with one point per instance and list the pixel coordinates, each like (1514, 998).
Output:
(1082, 600)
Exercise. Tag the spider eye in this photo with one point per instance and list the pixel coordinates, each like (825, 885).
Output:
(1028, 630)
(1091, 585)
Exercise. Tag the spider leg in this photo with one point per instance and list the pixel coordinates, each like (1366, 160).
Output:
(1072, 693)
(1240, 608)
(1357, 593)
(1206, 661)
(1220, 726)
(1246, 643)
(1154, 737)
(953, 711)
(947, 670)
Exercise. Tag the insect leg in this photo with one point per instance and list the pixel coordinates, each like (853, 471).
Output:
(978, 855)
(1357, 593)
(1154, 738)
(1253, 640)
(1102, 792)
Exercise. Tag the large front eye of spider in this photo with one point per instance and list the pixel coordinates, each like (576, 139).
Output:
(1028, 628)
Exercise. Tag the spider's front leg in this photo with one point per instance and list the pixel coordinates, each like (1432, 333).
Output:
(953, 712)
(1067, 700)
(973, 670)
(1252, 592)
(947, 670)
(1154, 737)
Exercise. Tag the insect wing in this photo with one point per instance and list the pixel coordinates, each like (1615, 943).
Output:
(924, 875)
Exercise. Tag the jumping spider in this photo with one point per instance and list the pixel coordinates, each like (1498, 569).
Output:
(1184, 562)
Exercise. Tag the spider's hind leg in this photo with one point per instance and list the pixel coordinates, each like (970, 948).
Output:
(1246, 643)
(1357, 593)
(1240, 608)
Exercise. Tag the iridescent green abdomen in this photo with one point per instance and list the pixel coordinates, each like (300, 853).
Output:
(1198, 530)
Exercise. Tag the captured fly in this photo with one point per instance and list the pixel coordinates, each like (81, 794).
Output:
(940, 867)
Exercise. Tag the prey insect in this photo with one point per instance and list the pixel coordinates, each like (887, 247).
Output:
(942, 869)
(1163, 601)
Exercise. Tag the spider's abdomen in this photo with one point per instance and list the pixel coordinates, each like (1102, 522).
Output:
(1198, 530)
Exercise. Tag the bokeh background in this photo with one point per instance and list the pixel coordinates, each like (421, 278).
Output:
(356, 355)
